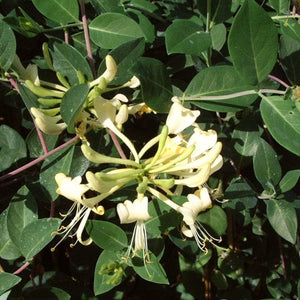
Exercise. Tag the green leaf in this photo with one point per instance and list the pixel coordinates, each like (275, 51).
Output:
(125, 56)
(34, 144)
(108, 6)
(29, 98)
(281, 6)
(252, 43)
(156, 89)
(282, 216)
(36, 235)
(101, 284)
(107, 235)
(246, 136)
(146, 26)
(7, 281)
(163, 218)
(60, 11)
(289, 180)
(218, 36)
(22, 210)
(72, 104)
(240, 196)
(219, 280)
(220, 10)
(7, 46)
(79, 163)
(266, 165)
(215, 218)
(282, 119)
(291, 28)
(8, 250)
(219, 80)
(143, 5)
(290, 58)
(12, 147)
(59, 162)
(68, 61)
(110, 30)
(184, 36)
(152, 271)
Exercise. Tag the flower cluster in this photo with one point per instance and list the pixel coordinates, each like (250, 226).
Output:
(96, 110)
(185, 158)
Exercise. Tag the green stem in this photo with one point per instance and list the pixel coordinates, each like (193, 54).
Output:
(234, 95)
(63, 27)
(208, 21)
(286, 17)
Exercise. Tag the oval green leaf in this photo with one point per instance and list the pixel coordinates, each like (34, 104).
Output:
(156, 89)
(36, 235)
(107, 235)
(111, 30)
(72, 104)
(125, 56)
(163, 218)
(219, 81)
(289, 180)
(60, 162)
(12, 147)
(252, 43)
(215, 218)
(150, 271)
(188, 37)
(22, 210)
(101, 284)
(7, 46)
(282, 216)
(60, 11)
(69, 61)
(282, 119)
(266, 165)
(7, 281)
(8, 250)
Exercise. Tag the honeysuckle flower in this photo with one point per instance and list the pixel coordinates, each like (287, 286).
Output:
(28, 73)
(109, 74)
(198, 202)
(48, 124)
(136, 211)
(74, 190)
(179, 117)
(203, 140)
(106, 113)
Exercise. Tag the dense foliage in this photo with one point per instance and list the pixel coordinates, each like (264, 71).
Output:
(159, 139)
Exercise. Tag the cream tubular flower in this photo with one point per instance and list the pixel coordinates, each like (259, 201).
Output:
(106, 113)
(109, 74)
(198, 202)
(136, 211)
(203, 140)
(74, 190)
(48, 124)
(180, 117)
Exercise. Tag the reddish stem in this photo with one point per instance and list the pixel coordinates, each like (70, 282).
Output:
(14, 84)
(41, 137)
(117, 144)
(21, 268)
(87, 38)
(279, 80)
(34, 162)
(66, 34)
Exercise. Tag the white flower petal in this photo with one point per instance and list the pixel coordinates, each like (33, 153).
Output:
(180, 117)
